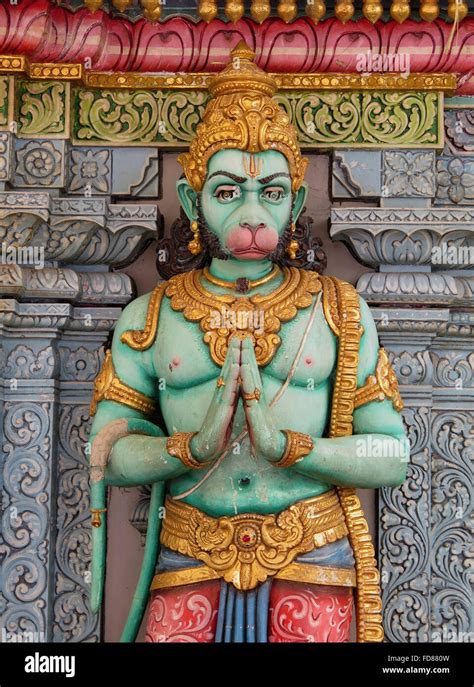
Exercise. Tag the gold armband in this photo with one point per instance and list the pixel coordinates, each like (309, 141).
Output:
(108, 387)
(297, 446)
(178, 445)
(382, 385)
(142, 339)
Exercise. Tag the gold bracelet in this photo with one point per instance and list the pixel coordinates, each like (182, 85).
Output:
(297, 446)
(178, 445)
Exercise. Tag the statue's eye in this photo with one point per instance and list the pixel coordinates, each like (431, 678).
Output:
(273, 193)
(227, 193)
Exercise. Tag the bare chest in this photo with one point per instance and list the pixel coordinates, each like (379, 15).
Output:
(182, 358)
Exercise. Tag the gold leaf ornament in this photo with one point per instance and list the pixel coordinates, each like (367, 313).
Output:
(234, 10)
(207, 10)
(151, 9)
(344, 10)
(121, 5)
(248, 548)
(287, 10)
(372, 10)
(316, 9)
(429, 10)
(260, 10)
(223, 316)
(93, 5)
(457, 10)
(400, 10)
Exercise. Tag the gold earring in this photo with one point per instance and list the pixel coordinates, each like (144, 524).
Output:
(293, 245)
(194, 246)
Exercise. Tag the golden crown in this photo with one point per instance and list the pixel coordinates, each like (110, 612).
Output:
(242, 115)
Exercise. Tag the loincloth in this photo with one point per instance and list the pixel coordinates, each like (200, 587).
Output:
(246, 549)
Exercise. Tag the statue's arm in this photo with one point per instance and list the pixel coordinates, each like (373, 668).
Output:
(377, 453)
(136, 458)
(135, 448)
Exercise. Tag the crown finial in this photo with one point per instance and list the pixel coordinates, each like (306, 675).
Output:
(243, 51)
(242, 75)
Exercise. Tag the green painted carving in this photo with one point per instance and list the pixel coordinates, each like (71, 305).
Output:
(366, 120)
(4, 82)
(181, 112)
(169, 118)
(43, 109)
(119, 117)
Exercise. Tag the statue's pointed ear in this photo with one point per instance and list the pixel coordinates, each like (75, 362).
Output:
(299, 200)
(188, 198)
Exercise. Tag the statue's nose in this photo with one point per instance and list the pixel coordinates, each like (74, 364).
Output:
(253, 227)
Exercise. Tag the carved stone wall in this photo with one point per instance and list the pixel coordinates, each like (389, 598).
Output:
(63, 228)
(420, 241)
(78, 200)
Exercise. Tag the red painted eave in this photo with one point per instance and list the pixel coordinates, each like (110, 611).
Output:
(44, 32)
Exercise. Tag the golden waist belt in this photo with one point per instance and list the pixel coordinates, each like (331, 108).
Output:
(245, 549)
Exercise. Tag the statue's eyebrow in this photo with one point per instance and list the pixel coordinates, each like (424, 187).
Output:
(265, 180)
(234, 177)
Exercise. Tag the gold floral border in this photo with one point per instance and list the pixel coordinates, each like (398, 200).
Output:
(51, 101)
(200, 80)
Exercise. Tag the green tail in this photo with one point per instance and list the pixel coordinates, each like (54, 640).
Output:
(99, 546)
(140, 598)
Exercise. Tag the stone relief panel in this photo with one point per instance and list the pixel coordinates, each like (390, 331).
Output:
(404, 546)
(408, 174)
(5, 157)
(452, 523)
(90, 171)
(455, 180)
(459, 132)
(39, 163)
(357, 174)
(45, 545)
(73, 620)
(27, 506)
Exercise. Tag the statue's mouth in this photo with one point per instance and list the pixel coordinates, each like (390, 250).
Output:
(252, 243)
(250, 253)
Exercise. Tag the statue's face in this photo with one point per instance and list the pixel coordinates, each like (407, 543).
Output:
(246, 201)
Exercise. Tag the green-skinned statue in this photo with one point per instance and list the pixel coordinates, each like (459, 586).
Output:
(253, 396)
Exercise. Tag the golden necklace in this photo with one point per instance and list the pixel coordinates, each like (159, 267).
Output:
(223, 315)
(242, 284)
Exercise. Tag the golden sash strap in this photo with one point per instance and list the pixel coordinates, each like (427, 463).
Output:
(345, 315)
(295, 572)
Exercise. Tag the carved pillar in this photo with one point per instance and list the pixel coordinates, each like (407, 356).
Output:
(50, 354)
(405, 546)
(452, 479)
